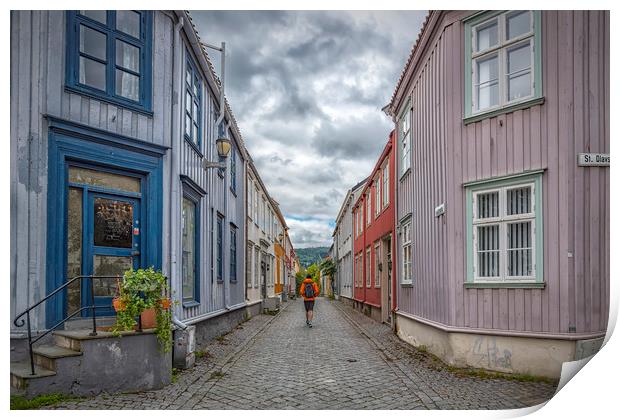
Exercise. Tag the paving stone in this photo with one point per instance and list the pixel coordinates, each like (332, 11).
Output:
(346, 361)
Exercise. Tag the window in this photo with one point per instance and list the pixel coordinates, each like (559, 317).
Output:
(386, 184)
(233, 170)
(502, 60)
(220, 248)
(233, 253)
(377, 262)
(190, 241)
(193, 103)
(405, 139)
(263, 214)
(256, 266)
(109, 56)
(377, 195)
(368, 267)
(249, 253)
(368, 208)
(407, 276)
(256, 195)
(505, 231)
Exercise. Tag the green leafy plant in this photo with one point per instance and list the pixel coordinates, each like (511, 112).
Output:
(140, 290)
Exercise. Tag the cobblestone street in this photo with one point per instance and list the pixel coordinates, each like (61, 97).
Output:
(347, 361)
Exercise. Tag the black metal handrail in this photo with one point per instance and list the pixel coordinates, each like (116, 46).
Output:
(19, 322)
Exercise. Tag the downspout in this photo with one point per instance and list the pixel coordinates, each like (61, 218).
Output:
(226, 282)
(175, 157)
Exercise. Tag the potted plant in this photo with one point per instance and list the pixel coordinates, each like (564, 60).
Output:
(144, 293)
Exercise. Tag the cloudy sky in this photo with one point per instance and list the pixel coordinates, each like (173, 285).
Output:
(307, 90)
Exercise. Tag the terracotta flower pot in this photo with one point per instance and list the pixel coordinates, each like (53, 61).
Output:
(148, 318)
(165, 303)
(118, 304)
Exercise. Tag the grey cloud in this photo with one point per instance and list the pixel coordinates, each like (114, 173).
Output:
(311, 82)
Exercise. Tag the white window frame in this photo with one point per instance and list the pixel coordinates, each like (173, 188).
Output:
(256, 266)
(501, 50)
(378, 205)
(377, 261)
(256, 196)
(386, 184)
(407, 266)
(368, 265)
(405, 152)
(503, 220)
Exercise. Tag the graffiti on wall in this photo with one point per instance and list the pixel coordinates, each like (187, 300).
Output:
(485, 352)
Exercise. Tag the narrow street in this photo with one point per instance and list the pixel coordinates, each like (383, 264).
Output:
(346, 361)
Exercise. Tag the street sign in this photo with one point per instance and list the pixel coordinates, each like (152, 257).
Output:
(593, 159)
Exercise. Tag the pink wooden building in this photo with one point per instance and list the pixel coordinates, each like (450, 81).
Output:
(503, 232)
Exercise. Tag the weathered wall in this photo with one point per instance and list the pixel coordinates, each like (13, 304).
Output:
(37, 89)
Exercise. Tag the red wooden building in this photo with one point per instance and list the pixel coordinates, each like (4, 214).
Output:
(373, 228)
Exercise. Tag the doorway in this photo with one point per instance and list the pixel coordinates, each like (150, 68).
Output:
(386, 280)
(103, 233)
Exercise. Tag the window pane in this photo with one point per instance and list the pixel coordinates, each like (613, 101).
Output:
(113, 223)
(518, 201)
(188, 102)
(127, 56)
(519, 58)
(487, 69)
(92, 42)
(195, 113)
(188, 126)
(127, 85)
(486, 36)
(188, 217)
(128, 22)
(487, 205)
(188, 75)
(103, 179)
(109, 265)
(196, 86)
(517, 23)
(488, 251)
(520, 249)
(92, 73)
(519, 87)
(74, 247)
(98, 15)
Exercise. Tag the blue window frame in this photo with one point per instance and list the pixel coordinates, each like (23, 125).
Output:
(233, 170)
(193, 103)
(233, 253)
(190, 241)
(109, 56)
(220, 248)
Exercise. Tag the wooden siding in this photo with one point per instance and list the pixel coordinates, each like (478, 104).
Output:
(445, 153)
(37, 89)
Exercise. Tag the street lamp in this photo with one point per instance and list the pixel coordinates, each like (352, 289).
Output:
(222, 143)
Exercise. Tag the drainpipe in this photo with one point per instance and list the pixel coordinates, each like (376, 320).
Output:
(175, 154)
(226, 282)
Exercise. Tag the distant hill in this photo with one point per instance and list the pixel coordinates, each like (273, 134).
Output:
(308, 256)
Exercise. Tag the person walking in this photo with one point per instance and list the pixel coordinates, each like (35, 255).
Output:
(309, 290)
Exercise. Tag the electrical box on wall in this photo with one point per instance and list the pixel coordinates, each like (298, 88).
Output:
(440, 209)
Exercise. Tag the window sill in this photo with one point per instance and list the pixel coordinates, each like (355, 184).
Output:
(193, 146)
(505, 285)
(505, 110)
(190, 304)
(408, 284)
(116, 102)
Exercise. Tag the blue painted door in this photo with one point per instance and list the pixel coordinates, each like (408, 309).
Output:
(112, 238)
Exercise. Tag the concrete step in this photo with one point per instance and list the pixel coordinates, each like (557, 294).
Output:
(47, 355)
(21, 374)
(86, 323)
(72, 339)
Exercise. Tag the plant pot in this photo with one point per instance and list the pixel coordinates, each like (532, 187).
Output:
(165, 303)
(118, 304)
(148, 318)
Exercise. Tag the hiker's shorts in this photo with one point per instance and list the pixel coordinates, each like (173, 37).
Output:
(309, 304)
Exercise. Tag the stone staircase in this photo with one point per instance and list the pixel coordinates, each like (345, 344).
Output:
(76, 363)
